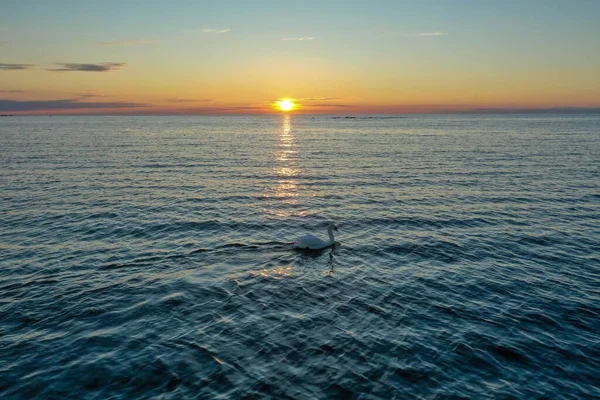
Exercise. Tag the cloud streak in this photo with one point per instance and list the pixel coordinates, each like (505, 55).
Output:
(12, 91)
(65, 104)
(331, 105)
(549, 110)
(89, 95)
(299, 39)
(430, 34)
(319, 98)
(3, 42)
(219, 110)
(130, 42)
(99, 67)
(207, 30)
(213, 30)
(14, 67)
(180, 100)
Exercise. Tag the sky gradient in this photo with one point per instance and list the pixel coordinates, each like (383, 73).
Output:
(340, 57)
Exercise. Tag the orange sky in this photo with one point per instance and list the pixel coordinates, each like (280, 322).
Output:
(209, 58)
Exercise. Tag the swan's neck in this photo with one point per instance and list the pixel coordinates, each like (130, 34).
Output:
(330, 232)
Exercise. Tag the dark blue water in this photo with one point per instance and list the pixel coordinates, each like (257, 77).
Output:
(151, 257)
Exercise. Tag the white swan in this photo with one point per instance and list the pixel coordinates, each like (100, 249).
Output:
(314, 243)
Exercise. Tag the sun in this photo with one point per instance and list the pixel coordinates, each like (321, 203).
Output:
(286, 105)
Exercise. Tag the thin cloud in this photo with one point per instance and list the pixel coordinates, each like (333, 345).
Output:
(89, 95)
(12, 91)
(331, 105)
(430, 34)
(130, 42)
(3, 42)
(180, 100)
(299, 38)
(14, 67)
(213, 30)
(319, 98)
(65, 104)
(206, 30)
(210, 110)
(99, 67)
(549, 110)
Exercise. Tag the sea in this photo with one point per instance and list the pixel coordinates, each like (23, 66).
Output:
(151, 257)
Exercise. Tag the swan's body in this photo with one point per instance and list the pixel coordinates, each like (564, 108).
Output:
(314, 243)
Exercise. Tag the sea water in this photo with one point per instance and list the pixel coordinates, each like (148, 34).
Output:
(152, 257)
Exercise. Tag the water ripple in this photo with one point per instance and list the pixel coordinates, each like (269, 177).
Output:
(152, 257)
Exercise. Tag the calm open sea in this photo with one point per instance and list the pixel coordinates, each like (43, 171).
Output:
(150, 257)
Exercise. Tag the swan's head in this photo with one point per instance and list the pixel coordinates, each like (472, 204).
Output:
(332, 227)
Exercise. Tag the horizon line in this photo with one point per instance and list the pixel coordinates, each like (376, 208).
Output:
(483, 111)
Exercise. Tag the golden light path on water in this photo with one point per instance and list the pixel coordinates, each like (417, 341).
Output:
(285, 190)
(286, 168)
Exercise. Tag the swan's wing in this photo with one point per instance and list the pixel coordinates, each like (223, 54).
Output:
(308, 238)
(309, 241)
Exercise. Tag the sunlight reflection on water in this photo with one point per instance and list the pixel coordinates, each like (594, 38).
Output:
(286, 169)
(151, 257)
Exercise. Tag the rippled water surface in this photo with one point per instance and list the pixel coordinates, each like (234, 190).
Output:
(151, 257)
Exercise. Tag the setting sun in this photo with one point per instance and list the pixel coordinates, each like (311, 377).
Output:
(286, 105)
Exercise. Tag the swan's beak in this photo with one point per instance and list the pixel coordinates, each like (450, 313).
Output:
(335, 229)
